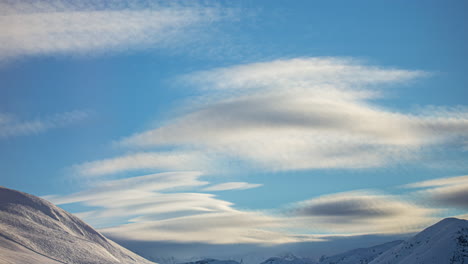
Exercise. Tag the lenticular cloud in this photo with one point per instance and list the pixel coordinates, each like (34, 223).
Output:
(304, 113)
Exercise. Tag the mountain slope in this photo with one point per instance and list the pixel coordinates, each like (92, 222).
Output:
(43, 233)
(444, 242)
(360, 255)
(13, 253)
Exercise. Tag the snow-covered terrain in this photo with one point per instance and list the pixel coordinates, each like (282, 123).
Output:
(12, 253)
(33, 230)
(288, 259)
(443, 243)
(360, 255)
(212, 261)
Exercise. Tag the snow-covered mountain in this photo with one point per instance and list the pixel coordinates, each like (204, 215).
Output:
(33, 230)
(360, 255)
(443, 243)
(288, 259)
(212, 261)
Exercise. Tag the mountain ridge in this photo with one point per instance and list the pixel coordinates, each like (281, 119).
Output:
(360, 255)
(444, 242)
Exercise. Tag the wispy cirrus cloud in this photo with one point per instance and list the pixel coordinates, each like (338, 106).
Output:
(304, 113)
(144, 197)
(110, 189)
(10, 126)
(87, 27)
(232, 186)
(5, 118)
(169, 161)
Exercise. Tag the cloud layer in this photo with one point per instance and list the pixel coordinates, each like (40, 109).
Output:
(282, 115)
(361, 211)
(169, 161)
(172, 207)
(304, 113)
(157, 207)
(232, 186)
(83, 27)
(451, 192)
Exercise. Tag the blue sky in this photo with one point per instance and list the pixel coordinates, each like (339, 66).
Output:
(237, 117)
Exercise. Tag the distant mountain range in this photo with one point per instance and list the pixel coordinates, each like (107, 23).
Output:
(212, 261)
(33, 230)
(360, 255)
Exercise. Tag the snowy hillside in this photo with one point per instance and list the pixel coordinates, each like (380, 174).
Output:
(360, 255)
(288, 259)
(33, 230)
(444, 242)
(12, 253)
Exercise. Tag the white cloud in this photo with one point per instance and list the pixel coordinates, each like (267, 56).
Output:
(312, 220)
(49, 27)
(465, 216)
(144, 197)
(115, 189)
(158, 207)
(439, 182)
(281, 115)
(138, 206)
(143, 161)
(232, 186)
(12, 127)
(450, 192)
(303, 114)
(213, 228)
(156, 210)
(300, 73)
(361, 212)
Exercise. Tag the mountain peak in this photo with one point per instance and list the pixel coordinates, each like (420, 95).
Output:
(443, 242)
(451, 220)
